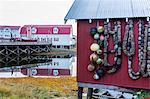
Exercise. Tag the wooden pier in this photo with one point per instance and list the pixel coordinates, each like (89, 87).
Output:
(23, 48)
(28, 59)
(24, 43)
(23, 60)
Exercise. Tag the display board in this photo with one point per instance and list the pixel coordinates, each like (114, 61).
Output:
(123, 76)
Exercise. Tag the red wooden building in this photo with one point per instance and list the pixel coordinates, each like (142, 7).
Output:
(59, 36)
(58, 67)
(95, 14)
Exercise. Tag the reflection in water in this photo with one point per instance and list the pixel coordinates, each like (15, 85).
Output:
(22, 60)
(38, 66)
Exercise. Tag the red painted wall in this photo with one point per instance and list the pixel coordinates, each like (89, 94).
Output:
(120, 78)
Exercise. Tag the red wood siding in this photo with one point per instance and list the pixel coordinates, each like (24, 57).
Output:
(120, 78)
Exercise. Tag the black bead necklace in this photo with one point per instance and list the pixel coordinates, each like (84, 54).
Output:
(116, 33)
(129, 48)
(148, 51)
(142, 47)
(106, 37)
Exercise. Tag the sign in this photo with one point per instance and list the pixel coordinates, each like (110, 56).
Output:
(55, 30)
(33, 30)
(55, 72)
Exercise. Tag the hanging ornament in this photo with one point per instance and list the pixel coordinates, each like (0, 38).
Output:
(93, 57)
(102, 37)
(106, 37)
(129, 49)
(100, 72)
(148, 70)
(96, 59)
(94, 47)
(99, 61)
(91, 67)
(142, 46)
(93, 31)
(99, 52)
(100, 29)
(96, 77)
(148, 51)
(96, 36)
(116, 34)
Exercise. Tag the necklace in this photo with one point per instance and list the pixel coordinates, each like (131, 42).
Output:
(129, 48)
(142, 45)
(148, 51)
(116, 33)
(106, 37)
(143, 49)
(128, 41)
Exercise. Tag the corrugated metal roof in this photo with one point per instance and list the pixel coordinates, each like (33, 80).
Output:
(101, 9)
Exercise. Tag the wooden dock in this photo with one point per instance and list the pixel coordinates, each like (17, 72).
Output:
(23, 60)
(23, 48)
(32, 59)
(23, 43)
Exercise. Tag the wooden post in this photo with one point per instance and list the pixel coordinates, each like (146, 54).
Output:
(6, 49)
(28, 50)
(80, 90)
(90, 92)
(38, 47)
(18, 54)
(18, 60)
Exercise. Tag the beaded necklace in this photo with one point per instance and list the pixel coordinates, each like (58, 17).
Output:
(128, 41)
(140, 43)
(142, 48)
(148, 51)
(106, 37)
(116, 33)
(129, 48)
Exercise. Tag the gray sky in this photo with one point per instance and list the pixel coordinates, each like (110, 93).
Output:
(21, 12)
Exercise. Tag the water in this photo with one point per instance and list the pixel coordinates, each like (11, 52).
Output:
(38, 66)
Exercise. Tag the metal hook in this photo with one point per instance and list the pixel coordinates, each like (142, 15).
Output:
(107, 19)
(127, 20)
(147, 18)
(90, 20)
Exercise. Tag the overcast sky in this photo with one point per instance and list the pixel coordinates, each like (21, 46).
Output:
(21, 12)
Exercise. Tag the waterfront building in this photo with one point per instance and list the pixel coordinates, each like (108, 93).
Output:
(9, 33)
(60, 36)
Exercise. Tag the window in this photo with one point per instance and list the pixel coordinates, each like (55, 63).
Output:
(56, 39)
(55, 30)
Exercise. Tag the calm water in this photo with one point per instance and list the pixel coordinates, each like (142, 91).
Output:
(38, 66)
